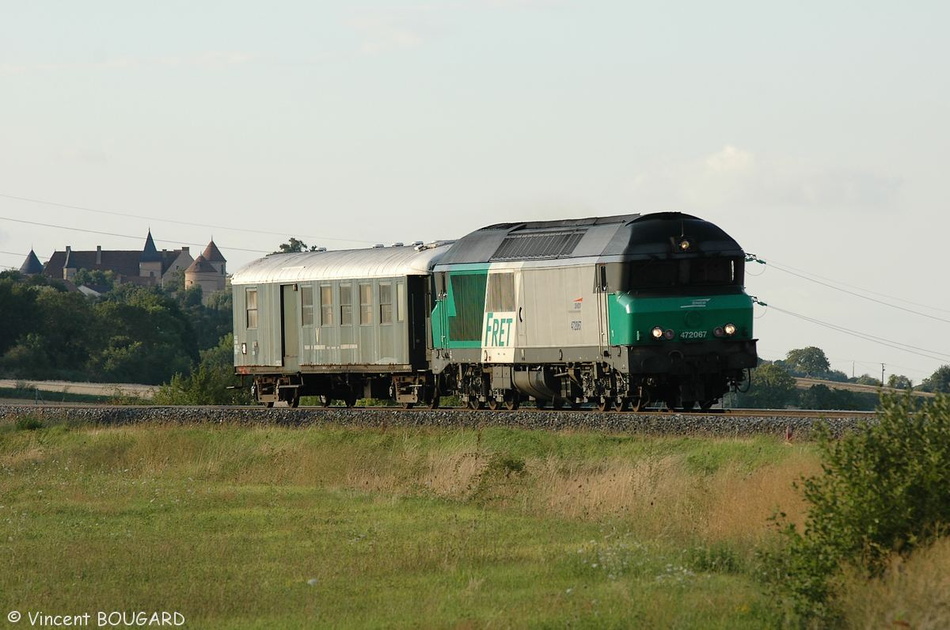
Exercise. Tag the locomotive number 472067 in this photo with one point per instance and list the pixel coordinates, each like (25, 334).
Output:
(693, 334)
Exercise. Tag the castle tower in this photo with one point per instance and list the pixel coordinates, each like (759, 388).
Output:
(150, 263)
(213, 255)
(32, 265)
(203, 274)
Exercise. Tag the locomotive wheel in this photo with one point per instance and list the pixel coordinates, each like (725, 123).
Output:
(637, 403)
(603, 403)
(475, 404)
(493, 404)
(512, 401)
(621, 404)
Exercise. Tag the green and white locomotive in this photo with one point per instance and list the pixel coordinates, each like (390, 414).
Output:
(616, 311)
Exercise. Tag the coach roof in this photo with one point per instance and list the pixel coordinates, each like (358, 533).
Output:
(377, 262)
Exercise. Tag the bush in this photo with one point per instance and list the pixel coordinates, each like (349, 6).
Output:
(883, 490)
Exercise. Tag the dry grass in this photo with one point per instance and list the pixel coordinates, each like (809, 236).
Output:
(915, 593)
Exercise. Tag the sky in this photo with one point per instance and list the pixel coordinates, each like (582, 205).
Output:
(815, 133)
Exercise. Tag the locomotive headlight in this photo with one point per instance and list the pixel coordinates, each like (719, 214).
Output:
(684, 245)
(657, 332)
(729, 329)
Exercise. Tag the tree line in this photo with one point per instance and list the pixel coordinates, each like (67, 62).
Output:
(131, 334)
(773, 385)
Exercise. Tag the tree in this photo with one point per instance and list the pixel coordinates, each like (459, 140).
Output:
(882, 492)
(771, 388)
(939, 381)
(810, 361)
(867, 379)
(294, 246)
(213, 383)
(899, 381)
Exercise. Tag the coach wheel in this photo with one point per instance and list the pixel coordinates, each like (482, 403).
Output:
(294, 401)
(269, 404)
(350, 400)
(688, 405)
(539, 403)
(706, 405)
(324, 400)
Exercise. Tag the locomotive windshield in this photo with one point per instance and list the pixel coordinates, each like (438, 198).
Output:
(657, 275)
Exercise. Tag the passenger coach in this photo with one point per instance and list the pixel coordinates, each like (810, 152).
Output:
(341, 325)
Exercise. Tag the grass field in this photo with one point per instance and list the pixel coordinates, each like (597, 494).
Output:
(236, 527)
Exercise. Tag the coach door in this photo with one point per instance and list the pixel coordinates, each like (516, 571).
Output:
(290, 325)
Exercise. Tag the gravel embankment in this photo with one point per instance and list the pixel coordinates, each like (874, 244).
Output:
(721, 425)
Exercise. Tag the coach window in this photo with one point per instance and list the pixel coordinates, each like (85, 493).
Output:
(385, 303)
(251, 304)
(400, 302)
(326, 305)
(306, 305)
(346, 305)
(366, 304)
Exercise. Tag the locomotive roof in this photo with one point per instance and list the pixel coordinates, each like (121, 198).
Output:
(630, 236)
(376, 262)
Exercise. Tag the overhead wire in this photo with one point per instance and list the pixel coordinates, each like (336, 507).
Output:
(923, 352)
(827, 282)
(173, 221)
(101, 233)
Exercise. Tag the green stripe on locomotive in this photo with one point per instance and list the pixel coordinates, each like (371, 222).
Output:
(691, 318)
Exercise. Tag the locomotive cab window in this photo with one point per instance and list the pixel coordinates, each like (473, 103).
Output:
(251, 306)
(647, 275)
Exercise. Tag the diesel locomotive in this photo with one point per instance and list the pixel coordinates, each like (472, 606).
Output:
(619, 311)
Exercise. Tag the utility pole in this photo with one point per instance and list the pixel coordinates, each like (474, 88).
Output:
(882, 375)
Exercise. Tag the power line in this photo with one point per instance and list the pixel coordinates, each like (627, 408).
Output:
(800, 274)
(923, 352)
(48, 225)
(166, 220)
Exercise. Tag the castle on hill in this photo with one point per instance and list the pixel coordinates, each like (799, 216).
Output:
(146, 267)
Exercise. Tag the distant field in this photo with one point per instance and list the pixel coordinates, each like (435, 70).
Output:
(238, 527)
(66, 391)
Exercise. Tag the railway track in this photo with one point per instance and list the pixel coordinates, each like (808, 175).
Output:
(788, 424)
